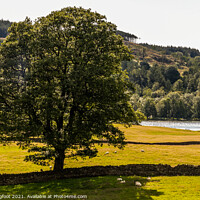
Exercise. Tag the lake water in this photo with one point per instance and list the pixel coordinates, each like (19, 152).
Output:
(186, 125)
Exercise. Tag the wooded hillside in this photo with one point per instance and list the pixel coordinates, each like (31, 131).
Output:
(167, 81)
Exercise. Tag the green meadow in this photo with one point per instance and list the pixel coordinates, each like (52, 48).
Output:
(180, 187)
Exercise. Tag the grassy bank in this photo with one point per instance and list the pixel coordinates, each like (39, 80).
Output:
(159, 134)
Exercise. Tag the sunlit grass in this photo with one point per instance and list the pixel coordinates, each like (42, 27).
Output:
(132, 154)
(153, 154)
(175, 188)
(159, 134)
(108, 188)
(12, 158)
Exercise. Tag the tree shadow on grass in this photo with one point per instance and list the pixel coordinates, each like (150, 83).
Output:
(96, 188)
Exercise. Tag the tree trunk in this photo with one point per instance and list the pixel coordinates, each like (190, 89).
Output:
(59, 160)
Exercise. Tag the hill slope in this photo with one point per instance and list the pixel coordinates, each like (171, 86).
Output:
(167, 81)
(162, 56)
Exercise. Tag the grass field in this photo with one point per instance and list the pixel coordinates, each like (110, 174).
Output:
(108, 187)
(159, 134)
(153, 154)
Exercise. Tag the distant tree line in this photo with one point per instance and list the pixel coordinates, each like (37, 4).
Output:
(162, 92)
(4, 25)
(127, 36)
(171, 49)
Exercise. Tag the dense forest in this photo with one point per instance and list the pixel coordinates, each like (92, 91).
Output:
(165, 90)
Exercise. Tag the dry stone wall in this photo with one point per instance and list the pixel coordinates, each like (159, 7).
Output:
(122, 170)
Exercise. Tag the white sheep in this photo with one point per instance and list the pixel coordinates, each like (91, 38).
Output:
(106, 153)
(138, 184)
(148, 178)
(142, 150)
(119, 179)
(50, 167)
(123, 181)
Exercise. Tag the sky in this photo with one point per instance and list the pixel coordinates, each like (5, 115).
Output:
(161, 22)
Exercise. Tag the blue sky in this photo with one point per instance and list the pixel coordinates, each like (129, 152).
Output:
(163, 22)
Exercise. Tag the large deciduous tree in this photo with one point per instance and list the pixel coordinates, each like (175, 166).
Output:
(61, 81)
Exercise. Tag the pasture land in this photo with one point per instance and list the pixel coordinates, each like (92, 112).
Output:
(12, 157)
(108, 188)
